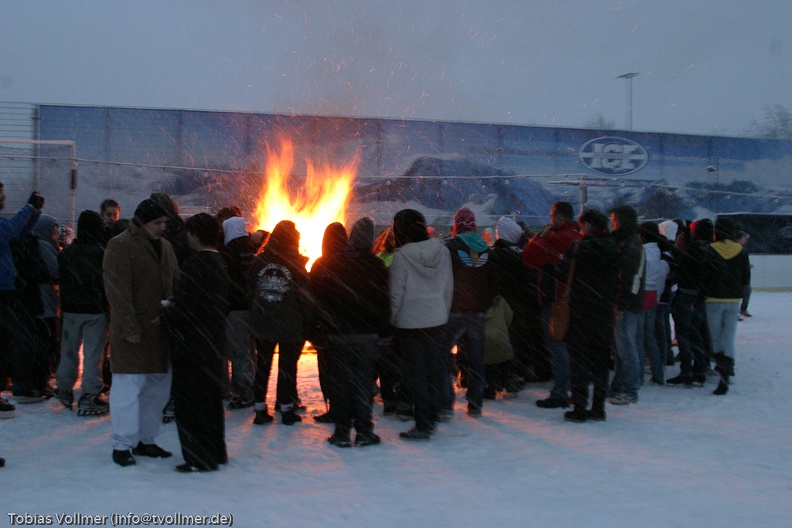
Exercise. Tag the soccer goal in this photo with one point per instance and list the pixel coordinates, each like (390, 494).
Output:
(49, 167)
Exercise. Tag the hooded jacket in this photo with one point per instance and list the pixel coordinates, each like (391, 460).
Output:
(44, 230)
(351, 286)
(474, 287)
(727, 271)
(238, 253)
(421, 285)
(36, 262)
(81, 278)
(281, 307)
(656, 273)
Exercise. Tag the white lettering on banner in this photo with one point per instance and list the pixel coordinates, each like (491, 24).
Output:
(613, 156)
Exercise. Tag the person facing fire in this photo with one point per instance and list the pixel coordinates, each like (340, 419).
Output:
(335, 240)
(280, 310)
(238, 252)
(352, 289)
(474, 292)
(421, 291)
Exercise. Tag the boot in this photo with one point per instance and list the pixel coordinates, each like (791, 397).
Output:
(578, 414)
(597, 412)
(682, 379)
(290, 417)
(262, 416)
(725, 366)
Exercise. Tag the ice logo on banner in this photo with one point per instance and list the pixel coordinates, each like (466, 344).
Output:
(613, 156)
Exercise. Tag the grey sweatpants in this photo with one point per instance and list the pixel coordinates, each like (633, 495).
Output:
(90, 330)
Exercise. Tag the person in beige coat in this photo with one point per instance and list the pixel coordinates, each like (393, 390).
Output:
(140, 272)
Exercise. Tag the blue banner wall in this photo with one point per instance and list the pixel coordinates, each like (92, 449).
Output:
(211, 159)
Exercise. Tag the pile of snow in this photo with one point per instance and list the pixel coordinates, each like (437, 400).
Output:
(680, 457)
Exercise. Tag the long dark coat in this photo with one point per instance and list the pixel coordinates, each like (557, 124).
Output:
(197, 328)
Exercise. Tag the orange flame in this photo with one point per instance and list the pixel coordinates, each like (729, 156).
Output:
(321, 199)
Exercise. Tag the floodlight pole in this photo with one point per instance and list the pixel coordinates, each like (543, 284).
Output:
(716, 169)
(629, 77)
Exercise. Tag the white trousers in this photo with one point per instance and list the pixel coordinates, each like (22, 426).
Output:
(136, 404)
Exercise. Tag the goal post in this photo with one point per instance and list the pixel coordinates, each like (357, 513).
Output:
(46, 166)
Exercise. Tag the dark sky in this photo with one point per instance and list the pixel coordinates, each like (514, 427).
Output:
(704, 66)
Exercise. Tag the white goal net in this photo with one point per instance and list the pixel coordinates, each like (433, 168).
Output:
(49, 167)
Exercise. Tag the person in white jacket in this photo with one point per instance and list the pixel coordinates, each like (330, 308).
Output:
(656, 272)
(421, 291)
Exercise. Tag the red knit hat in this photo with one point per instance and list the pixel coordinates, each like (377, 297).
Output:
(464, 219)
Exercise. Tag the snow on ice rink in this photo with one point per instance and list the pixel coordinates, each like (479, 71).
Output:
(680, 457)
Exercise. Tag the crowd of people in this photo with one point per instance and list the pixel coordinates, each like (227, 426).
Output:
(175, 317)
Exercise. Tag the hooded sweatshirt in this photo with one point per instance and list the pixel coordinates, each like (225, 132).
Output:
(727, 271)
(421, 285)
(474, 287)
(44, 230)
(656, 272)
(81, 278)
(351, 288)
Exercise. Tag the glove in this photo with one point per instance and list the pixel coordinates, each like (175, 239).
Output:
(36, 200)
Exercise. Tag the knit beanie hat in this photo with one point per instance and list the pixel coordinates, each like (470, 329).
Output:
(147, 211)
(464, 219)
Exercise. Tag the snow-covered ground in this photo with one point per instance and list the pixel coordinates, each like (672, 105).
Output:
(680, 457)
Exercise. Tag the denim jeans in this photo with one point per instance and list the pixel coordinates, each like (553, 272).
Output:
(471, 326)
(722, 321)
(424, 371)
(240, 350)
(627, 378)
(647, 345)
(663, 326)
(689, 316)
(559, 358)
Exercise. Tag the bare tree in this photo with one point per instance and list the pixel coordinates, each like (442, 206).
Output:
(777, 123)
(600, 123)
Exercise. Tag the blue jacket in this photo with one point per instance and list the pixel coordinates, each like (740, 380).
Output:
(12, 229)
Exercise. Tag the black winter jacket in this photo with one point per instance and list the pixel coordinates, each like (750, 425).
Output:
(81, 278)
(727, 270)
(633, 272)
